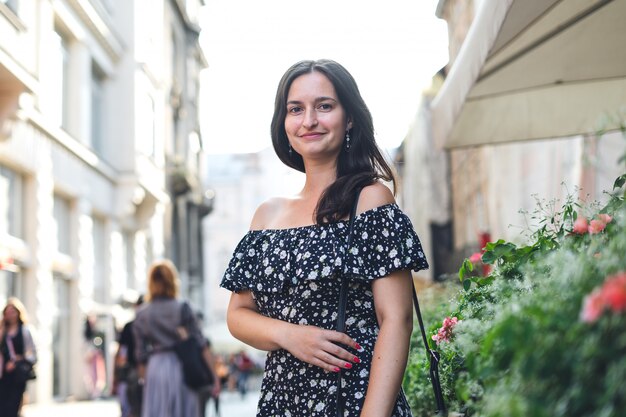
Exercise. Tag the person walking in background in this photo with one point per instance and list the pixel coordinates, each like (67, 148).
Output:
(16, 344)
(95, 369)
(244, 367)
(286, 273)
(156, 331)
(126, 382)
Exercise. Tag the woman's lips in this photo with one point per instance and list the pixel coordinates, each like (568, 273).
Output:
(312, 135)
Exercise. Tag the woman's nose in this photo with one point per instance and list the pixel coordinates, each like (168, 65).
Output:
(310, 119)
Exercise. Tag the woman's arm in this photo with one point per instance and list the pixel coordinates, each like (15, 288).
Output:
(393, 301)
(308, 343)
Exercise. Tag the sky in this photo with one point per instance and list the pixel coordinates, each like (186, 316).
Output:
(392, 51)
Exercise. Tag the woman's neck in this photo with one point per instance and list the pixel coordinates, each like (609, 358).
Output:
(318, 178)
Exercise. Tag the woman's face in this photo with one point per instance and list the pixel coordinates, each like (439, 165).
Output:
(11, 315)
(315, 122)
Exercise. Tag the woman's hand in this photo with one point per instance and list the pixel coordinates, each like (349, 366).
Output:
(319, 347)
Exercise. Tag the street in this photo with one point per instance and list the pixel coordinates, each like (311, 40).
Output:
(232, 405)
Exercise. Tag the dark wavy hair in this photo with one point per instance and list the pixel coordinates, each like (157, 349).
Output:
(357, 167)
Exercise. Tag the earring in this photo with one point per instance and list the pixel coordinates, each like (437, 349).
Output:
(347, 140)
(290, 150)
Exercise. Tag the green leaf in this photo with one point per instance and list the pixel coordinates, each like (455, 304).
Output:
(619, 182)
(467, 284)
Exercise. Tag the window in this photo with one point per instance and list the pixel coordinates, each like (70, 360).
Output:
(100, 260)
(62, 213)
(11, 203)
(97, 108)
(12, 4)
(61, 335)
(146, 124)
(59, 72)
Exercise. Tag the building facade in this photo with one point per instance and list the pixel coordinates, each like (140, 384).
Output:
(491, 192)
(98, 125)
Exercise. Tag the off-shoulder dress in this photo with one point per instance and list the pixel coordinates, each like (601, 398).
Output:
(295, 275)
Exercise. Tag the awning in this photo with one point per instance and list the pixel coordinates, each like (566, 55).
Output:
(535, 69)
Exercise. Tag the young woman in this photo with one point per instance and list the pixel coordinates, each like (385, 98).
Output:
(156, 330)
(287, 270)
(16, 343)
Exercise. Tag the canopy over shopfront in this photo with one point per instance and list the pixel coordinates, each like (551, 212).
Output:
(533, 69)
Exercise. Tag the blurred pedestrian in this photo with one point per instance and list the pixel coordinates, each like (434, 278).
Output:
(156, 330)
(95, 370)
(126, 376)
(209, 394)
(303, 255)
(244, 367)
(16, 345)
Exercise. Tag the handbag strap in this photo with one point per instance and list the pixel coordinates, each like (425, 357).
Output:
(343, 300)
(433, 355)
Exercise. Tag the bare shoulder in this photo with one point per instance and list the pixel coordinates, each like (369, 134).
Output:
(265, 213)
(373, 196)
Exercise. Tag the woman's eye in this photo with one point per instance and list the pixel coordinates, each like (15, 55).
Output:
(325, 106)
(294, 109)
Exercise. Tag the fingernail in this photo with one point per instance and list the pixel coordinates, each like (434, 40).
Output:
(356, 360)
(347, 365)
(357, 346)
(336, 369)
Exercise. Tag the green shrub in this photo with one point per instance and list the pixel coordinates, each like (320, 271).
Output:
(522, 346)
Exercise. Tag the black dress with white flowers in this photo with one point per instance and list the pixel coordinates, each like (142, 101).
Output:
(295, 274)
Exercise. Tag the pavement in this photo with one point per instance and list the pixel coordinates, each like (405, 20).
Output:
(232, 404)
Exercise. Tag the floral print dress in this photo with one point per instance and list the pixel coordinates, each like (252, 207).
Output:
(295, 275)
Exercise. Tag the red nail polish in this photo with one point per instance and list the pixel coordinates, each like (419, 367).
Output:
(347, 365)
(356, 360)
(336, 369)
(358, 347)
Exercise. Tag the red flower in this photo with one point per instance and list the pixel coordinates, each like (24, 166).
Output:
(444, 334)
(614, 292)
(476, 258)
(596, 226)
(610, 296)
(580, 226)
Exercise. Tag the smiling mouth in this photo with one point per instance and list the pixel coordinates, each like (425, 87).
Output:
(311, 135)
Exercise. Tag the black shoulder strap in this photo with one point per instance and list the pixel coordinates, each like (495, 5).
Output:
(343, 300)
(433, 355)
(343, 293)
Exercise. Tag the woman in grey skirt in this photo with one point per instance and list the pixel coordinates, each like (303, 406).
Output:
(156, 330)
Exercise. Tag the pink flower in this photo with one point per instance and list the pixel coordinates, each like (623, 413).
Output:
(596, 226)
(580, 226)
(593, 306)
(614, 292)
(610, 296)
(476, 258)
(605, 218)
(445, 332)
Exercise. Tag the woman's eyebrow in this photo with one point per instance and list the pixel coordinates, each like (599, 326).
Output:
(317, 100)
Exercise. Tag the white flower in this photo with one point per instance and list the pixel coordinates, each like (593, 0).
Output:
(364, 235)
(382, 271)
(379, 248)
(393, 253)
(396, 262)
(264, 246)
(326, 271)
(269, 270)
(409, 243)
(312, 275)
(385, 232)
(358, 395)
(283, 254)
(313, 286)
(319, 407)
(269, 396)
(251, 252)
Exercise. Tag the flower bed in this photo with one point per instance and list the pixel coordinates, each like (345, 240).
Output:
(544, 333)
